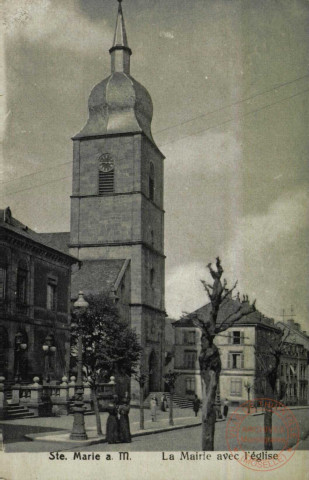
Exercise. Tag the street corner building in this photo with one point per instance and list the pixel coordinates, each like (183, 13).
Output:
(117, 216)
(244, 352)
(35, 283)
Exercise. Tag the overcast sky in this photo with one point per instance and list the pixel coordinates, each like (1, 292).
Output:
(229, 83)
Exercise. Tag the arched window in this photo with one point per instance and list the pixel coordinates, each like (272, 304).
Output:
(3, 275)
(21, 285)
(151, 181)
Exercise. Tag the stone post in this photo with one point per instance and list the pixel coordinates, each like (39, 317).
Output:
(72, 387)
(15, 393)
(61, 403)
(35, 403)
(87, 395)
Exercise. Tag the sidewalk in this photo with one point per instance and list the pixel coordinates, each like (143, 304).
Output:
(53, 433)
(259, 411)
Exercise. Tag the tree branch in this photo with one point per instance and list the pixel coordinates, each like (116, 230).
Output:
(207, 289)
(228, 292)
(219, 329)
(241, 311)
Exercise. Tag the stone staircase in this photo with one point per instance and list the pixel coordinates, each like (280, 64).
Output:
(178, 400)
(14, 411)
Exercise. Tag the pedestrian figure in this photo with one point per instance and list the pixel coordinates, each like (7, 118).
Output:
(226, 408)
(196, 404)
(163, 403)
(153, 409)
(124, 423)
(112, 423)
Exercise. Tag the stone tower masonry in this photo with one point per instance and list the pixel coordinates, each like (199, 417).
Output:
(117, 198)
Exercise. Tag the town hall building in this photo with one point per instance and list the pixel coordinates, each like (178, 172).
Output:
(117, 216)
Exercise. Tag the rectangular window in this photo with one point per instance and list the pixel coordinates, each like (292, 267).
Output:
(51, 294)
(235, 360)
(190, 385)
(236, 386)
(236, 338)
(2, 283)
(189, 359)
(106, 182)
(189, 338)
(282, 370)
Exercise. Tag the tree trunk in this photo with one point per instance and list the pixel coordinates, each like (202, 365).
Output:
(210, 365)
(171, 413)
(97, 413)
(268, 420)
(209, 386)
(141, 407)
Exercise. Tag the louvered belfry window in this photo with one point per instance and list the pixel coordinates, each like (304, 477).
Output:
(106, 174)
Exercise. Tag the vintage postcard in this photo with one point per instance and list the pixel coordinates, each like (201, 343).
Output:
(153, 239)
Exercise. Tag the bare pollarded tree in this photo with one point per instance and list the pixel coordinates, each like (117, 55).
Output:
(268, 360)
(209, 359)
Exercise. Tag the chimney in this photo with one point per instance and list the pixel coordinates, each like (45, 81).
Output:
(297, 326)
(305, 332)
(291, 322)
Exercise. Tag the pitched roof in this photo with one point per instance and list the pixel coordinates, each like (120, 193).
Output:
(96, 276)
(15, 226)
(230, 306)
(58, 240)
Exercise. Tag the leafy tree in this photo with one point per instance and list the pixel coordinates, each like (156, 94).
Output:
(209, 359)
(110, 346)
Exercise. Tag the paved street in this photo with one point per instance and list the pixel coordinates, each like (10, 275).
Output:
(183, 439)
(14, 431)
(190, 438)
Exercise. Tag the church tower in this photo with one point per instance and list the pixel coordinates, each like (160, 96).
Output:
(117, 216)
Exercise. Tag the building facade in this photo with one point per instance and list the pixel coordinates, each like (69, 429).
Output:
(294, 372)
(245, 357)
(117, 216)
(34, 305)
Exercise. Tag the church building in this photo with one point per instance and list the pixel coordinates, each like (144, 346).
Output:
(117, 216)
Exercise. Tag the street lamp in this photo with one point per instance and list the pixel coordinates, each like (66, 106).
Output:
(248, 388)
(20, 347)
(78, 430)
(49, 349)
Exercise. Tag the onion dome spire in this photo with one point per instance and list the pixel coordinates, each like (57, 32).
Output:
(120, 51)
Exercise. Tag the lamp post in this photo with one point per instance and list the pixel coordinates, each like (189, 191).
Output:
(78, 430)
(20, 347)
(248, 388)
(49, 349)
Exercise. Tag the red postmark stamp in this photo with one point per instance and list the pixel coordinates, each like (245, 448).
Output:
(245, 433)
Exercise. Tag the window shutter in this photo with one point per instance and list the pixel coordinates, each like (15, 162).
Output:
(106, 182)
(242, 338)
(232, 387)
(229, 337)
(242, 361)
(229, 361)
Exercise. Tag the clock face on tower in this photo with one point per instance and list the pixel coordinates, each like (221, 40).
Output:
(106, 163)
